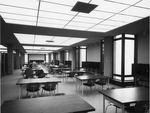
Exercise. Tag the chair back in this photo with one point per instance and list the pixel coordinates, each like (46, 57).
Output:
(32, 87)
(142, 106)
(50, 85)
(91, 82)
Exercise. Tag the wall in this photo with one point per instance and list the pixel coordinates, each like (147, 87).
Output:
(36, 57)
(93, 52)
(143, 48)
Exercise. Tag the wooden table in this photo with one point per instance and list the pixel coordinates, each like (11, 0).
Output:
(52, 104)
(22, 82)
(88, 77)
(123, 96)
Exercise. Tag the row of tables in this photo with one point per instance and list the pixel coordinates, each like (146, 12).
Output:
(71, 103)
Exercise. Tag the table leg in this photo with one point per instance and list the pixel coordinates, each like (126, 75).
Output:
(104, 104)
(82, 87)
(57, 87)
(20, 92)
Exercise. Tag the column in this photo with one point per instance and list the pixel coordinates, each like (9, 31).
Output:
(73, 57)
(10, 64)
(17, 60)
(108, 54)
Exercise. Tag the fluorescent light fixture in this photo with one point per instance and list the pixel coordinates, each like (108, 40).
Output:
(80, 24)
(136, 11)
(56, 8)
(73, 41)
(143, 3)
(86, 20)
(22, 3)
(76, 27)
(96, 14)
(25, 38)
(41, 39)
(54, 21)
(39, 48)
(18, 10)
(113, 23)
(125, 18)
(51, 25)
(99, 30)
(2, 47)
(9, 20)
(109, 6)
(18, 17)
(55, 15)
(130, 2)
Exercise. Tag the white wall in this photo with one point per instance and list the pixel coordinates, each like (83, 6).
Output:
(36, 57)
(93, 52)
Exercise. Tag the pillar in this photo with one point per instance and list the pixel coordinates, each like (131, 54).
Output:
(10, 64)
(17, 60)
(73, 58)
(108, 55)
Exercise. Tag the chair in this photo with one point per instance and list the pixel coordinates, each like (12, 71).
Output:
(33, 87)
(102, 82)
(90, 83)
(140, 107)
(71, 75)
(40, 74)
(49, 86)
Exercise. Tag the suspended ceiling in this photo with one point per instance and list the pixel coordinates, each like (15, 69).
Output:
(107, 16)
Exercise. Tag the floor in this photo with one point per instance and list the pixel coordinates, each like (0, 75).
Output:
(9, 91)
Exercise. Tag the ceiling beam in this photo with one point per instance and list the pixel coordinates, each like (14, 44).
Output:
(26, 29)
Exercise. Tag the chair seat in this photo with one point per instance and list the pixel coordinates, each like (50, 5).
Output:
(88, 84)
(49, 88)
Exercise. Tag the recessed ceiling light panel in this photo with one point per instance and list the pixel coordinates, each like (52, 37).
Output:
(83, 7)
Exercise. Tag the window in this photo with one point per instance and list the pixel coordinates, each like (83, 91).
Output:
(123, 57)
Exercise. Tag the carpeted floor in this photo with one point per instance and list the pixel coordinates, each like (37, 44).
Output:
(10, 91)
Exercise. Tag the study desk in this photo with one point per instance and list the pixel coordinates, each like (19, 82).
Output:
(123, 96)
(88, 77)
(22, 82)
(51, 104)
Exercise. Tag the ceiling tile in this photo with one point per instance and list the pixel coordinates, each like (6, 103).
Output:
(57, 8)
(80, 24)
(141, 12)
(54, 15)
(130, 2)
(25, 38)
(125, 18)
(21, 3)
(67, 2)
(97, 15)
(144, 3)
(108, 6)
(18, 10)
(53, 25)
(86, 20)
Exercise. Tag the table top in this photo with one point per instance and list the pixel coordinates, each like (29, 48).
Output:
(36, 80)
(127, 95)
(52, 104)
(90, 77)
